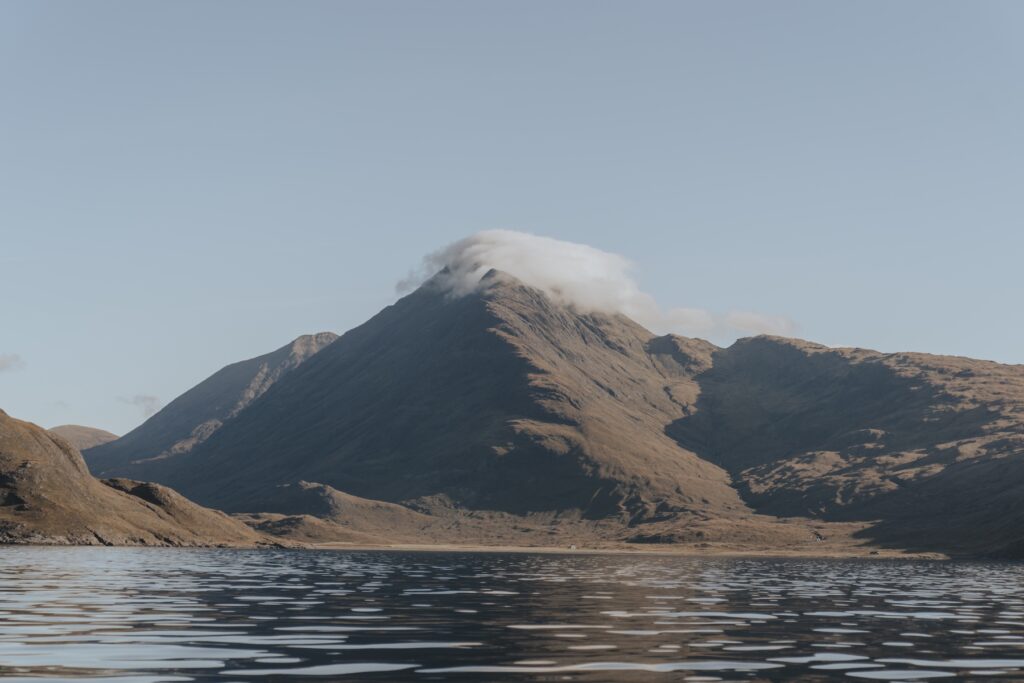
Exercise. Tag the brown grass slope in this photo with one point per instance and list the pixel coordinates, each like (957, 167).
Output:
(316, 513)
(83, 437)
(47, 496)
(198, 413)
(929, 448)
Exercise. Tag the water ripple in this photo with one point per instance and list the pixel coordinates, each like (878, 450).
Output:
(151, 615)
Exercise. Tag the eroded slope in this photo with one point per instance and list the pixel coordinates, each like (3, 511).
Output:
(47, 496)
(198, 413)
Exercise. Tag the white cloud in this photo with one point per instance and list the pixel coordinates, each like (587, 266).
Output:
(10, 361)
(149, 404)
(583, 277)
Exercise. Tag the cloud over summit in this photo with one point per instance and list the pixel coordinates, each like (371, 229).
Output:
(581, 276)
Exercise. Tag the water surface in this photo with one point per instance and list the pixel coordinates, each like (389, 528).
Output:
(229, 615)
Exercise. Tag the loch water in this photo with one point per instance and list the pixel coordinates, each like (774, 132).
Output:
(134, 615)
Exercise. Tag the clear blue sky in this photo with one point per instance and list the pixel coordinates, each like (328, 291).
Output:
(186, 184)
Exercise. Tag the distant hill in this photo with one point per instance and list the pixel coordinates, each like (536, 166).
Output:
(503, 402)
(198, 413)
(47, 496)
(83, 437)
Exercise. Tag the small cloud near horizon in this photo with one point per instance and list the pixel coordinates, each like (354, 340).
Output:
(149, 404)
(10, 361)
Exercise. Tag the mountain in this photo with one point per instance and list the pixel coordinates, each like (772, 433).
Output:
(83, 437)
(931, 447)
(198, 413)
(47, 496)
(500, 400)
(503, 410)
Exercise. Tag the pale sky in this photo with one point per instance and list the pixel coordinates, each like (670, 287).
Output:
(187, 184)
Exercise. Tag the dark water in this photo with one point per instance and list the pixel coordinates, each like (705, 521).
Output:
(221, 615)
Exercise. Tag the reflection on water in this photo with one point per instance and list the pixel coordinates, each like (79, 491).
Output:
(222, 615)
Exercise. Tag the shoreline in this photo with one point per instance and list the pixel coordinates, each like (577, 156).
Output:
(680, 551)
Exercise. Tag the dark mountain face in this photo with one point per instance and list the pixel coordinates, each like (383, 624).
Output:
(198, 413)
(504, 401)
(933, 446)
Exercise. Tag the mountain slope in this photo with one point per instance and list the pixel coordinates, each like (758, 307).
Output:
(930, 447)
(83, 437)
(198, 413)
(47, 496)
